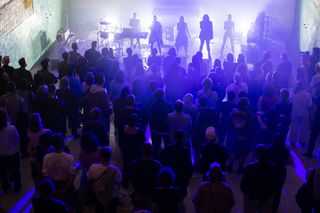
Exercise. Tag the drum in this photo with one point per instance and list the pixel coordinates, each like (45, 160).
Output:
(104, 34)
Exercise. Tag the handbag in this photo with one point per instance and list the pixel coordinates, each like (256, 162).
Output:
(304, 196)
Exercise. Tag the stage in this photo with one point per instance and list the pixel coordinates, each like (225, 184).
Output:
(84, 39)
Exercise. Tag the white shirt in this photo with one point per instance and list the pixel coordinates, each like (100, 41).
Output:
(301, 103)
(9, 141)
(58, 166)
(237, 88)
(97, 169)
(106, 180)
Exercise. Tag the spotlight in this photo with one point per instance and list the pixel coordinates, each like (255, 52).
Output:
(243, 28)
(145, 22)
(112, 21)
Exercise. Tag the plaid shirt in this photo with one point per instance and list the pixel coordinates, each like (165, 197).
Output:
(214, 197)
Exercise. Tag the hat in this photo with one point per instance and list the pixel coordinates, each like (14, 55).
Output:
(211, 133)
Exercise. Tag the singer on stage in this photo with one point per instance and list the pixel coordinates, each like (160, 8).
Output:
(228, 34)
(156, 34)
(206, 33)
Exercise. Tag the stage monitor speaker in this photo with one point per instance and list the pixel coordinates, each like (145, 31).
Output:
(169, 32)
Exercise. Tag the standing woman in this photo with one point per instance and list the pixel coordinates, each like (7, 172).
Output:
(9, 155)
(182, 36)
(156, 34)
(228, 34)
(301, 105)
(206, 33)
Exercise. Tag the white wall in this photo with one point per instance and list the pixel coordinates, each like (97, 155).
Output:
(310, 24)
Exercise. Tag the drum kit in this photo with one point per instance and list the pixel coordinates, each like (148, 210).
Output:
(103, 33)
(109, 35)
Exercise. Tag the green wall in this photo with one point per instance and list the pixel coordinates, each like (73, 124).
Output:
(309, 24)
(35, 35)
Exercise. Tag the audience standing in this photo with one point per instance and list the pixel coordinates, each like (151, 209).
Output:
(212, 152)
(60, 168)
(95, 85)
(9, 155)
(106, 179)
(158, 121)
(177, 156)
(45, 202)
(143, 178)
(301, 105)
(166, 198)
(259, 183)
(214, 195)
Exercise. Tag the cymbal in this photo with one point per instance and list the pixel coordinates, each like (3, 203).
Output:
(104, 23)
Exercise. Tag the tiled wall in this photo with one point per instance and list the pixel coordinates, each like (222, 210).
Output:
(33, 37)
(309, 24)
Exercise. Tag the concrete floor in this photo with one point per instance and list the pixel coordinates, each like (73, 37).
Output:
(296, 175)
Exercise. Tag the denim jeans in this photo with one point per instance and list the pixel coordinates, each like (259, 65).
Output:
(10, 171)
(156, 142)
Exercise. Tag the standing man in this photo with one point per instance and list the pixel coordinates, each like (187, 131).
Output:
(206, 33)
(285, 71)
(156, 34)
(61, 46)
(143, 178)
(158, 121)
(6, 69)
(22, 73)
(228, 34)
(135, 26)
(92, 55)
(178, 120)
(315, 130)
(259, 183)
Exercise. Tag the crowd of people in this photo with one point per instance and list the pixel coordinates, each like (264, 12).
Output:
(209, 120)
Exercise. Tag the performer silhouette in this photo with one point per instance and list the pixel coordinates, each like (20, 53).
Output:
(156, 34)
(206, 33)
(228, 34)
(182, 36)
(135, 26)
